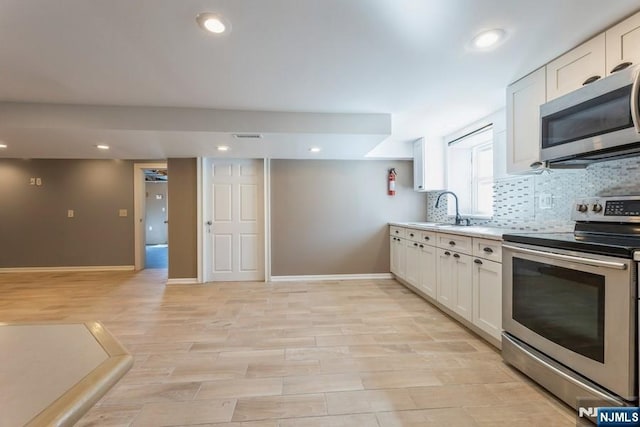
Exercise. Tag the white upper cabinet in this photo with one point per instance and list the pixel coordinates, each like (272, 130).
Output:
(428, 165)
(524, 98)
(623, 44)
(576, 68)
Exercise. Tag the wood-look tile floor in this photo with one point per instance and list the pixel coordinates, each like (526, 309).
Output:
(321, 354)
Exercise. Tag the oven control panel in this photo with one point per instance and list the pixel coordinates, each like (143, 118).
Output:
(607, 209)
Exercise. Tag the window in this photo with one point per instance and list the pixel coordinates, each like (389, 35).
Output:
(470, 172)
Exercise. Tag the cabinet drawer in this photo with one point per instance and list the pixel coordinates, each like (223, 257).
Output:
(396, 231)
(428, 238)
(411, 234)
(487, 249)
(454, 242)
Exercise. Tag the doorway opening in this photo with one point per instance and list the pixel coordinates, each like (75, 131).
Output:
(156, 230)
(150, 215)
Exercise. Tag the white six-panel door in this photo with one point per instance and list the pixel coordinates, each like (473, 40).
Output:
(235, 227)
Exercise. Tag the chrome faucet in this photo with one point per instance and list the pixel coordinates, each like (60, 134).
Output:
(459, 219)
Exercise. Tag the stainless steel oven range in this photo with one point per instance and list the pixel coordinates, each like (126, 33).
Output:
(570, 303)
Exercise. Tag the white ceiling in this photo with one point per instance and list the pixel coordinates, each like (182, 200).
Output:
(405, 58)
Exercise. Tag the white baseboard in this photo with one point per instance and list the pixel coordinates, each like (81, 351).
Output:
(67, 269)
(309, 278)
(183, 281)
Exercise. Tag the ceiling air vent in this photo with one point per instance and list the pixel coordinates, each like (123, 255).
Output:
(247, 135)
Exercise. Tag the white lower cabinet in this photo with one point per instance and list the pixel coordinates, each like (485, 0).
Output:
(462, 283)
(412, 266)
(461, 274)
(397, 261)
(487, 296)
(428, 269)
(455, 290)
(444, 273)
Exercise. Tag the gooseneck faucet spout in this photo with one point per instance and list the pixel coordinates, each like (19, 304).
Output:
(459, 219)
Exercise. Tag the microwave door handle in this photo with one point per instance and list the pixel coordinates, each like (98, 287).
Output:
(571, 258)
(635, 100)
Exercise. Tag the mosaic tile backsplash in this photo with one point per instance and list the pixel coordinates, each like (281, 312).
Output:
(544, 201)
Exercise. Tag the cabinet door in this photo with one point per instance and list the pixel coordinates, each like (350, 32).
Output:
(487, 296)
(524, 98)
(397, 261)
(418, 165)
(623, 43)
(444, 272)
(428, 277)
(412, 269)
(428, 165)
(573, 69)
(463, 284)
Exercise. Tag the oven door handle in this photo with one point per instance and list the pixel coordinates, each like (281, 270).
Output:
(580, 260)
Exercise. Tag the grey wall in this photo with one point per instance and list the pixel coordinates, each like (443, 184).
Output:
(34, 228)
(156, 212)
(183, 240)
(330, 216)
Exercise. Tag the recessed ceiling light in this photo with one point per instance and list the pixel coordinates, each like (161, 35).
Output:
(223, 148)
(213, 23)
(486, 39)
(315, 149)
(102, 147)
(3, 145)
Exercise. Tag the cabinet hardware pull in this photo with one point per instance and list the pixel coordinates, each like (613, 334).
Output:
(488, 250)
(415, 244)
(397, 232)
(535, 165)
(590, 80)
(456, 256)
(447, 253)
(452, 243)
(422, 246)
(621, 67)
(411, 235)
(477, 261)
(426, 237)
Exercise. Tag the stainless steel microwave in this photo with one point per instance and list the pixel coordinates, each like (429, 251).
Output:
(596, 122)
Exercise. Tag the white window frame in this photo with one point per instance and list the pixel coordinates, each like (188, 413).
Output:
(467, 185)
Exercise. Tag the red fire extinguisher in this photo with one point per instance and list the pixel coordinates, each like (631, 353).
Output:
(392, 182)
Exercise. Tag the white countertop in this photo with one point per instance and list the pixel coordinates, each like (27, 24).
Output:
(493, 233)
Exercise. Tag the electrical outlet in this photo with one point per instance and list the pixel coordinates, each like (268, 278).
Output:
(70, 213)
(545, 201)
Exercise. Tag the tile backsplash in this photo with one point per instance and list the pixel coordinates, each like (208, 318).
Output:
(544, 201)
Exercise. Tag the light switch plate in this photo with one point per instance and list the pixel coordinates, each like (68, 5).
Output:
(545, 201)
(123, 212)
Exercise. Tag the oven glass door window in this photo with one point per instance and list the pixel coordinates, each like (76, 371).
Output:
(604, 114)
(563, 305)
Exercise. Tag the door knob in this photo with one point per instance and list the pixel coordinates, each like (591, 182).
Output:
(209, 223)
